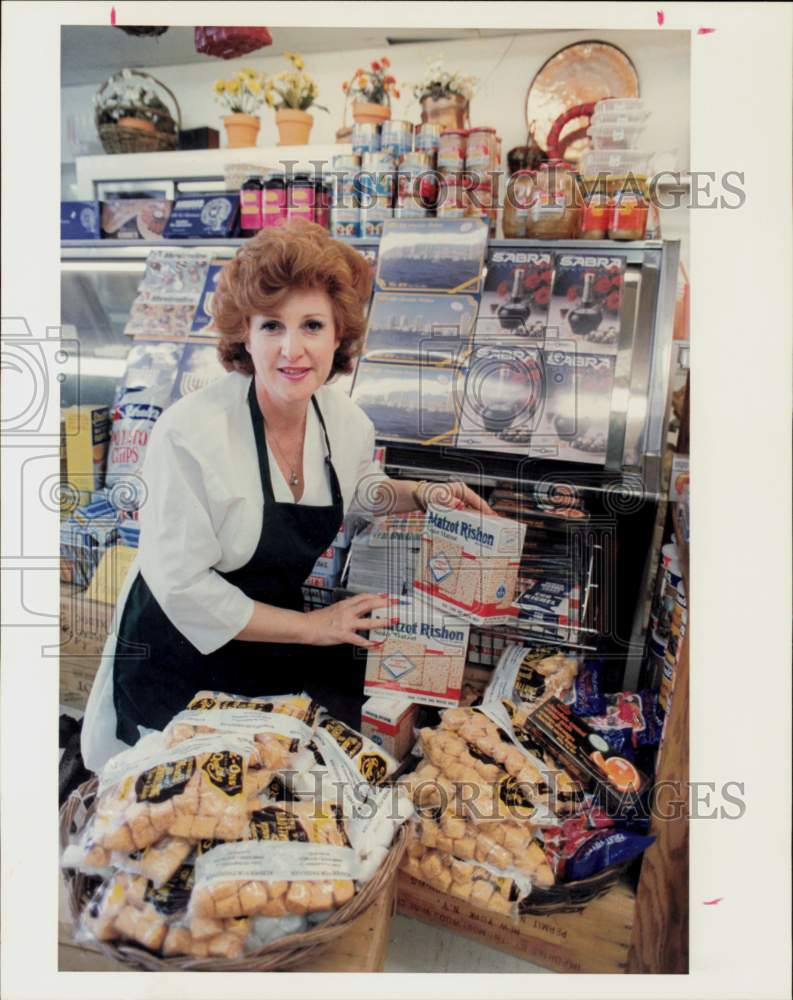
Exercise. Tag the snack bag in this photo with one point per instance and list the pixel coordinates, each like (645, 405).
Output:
(192, 790)
(585, 845)
(372, 762)
(479, 884)
(528, 675)
(158, 862)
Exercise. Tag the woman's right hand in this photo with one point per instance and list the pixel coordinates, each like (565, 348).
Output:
(340, 622)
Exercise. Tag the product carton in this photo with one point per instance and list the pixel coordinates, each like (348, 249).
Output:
(80, 220)
(86, 437)
(135, 218)
(420, 656)
(469, 565)
(389, 723)
(202, 216)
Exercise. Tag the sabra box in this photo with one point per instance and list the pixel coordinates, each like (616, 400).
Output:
(420, 656)
(469, 565)
(389, 723)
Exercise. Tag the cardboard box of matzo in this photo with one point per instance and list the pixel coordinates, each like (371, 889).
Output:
(469, 565)
(422, 656)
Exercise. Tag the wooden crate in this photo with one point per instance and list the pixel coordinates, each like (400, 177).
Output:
(84, 625)
(361, 948)
(595, 939)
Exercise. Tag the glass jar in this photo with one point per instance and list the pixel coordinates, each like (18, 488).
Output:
(274, 201)
(251, 205)
(628, 212)
(453, 201)
(597, 205)
(520, 193)
(555, 211)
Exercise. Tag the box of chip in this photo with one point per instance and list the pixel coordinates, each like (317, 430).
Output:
(421, 655)
(202, 216)
(86, 438)
(135, 218)
(618, 785)
(469, 564)
(80, 220)
(389, 723)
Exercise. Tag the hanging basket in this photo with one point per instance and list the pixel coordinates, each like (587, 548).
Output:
(153, 130)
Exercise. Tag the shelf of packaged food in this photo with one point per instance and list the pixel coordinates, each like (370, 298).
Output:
(198, 164)
(682, 547)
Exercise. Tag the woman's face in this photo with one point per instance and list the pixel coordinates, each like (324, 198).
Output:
(292, 347)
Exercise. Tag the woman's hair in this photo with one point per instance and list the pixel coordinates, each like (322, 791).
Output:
(278, 261)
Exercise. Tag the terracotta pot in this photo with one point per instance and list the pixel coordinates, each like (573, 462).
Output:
(294, 126)
(241, 130)
(451, 112)
(141, 124)
(364, 112)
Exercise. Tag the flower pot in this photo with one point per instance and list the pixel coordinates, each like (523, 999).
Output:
(364, 112)
(294, 126)
(241, 130)
(450, 112)
(141, 124)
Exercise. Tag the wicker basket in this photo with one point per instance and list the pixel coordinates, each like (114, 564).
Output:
(117, 138)
(567, 897)
(290, 950)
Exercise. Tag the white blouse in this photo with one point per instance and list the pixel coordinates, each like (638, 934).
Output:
(201, 511)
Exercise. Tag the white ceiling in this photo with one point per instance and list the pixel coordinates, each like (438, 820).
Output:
(91, 54)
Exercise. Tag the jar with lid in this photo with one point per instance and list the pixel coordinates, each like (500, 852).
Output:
(521, 188)
(453, 201)
(628, 212)
(251, 205)
(480, 149)
(274, 200)
(300, 198)
(597, 207)
(555, 211)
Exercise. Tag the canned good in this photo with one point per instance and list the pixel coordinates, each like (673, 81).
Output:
(451, 149)
(397, 137)
(410, 206)
(372, 220)
(480, 148)
(453, 199)
(345, 223)
(520, 191)
(417, 161)
(347, 162)
(428, 137)
(366, 137)
(343, 187)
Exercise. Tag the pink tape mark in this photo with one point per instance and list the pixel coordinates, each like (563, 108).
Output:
(661, 18)
(113, 16)
(705, 31)
(712, 902)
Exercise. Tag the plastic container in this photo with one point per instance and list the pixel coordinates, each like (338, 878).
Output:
(615, 161)
(615, 136)
(619, 105)
(617, 118)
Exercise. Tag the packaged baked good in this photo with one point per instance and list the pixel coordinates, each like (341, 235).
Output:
(528, 675)
(158, 862)
(192, 790)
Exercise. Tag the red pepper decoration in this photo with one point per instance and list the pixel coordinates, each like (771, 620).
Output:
(231, 43)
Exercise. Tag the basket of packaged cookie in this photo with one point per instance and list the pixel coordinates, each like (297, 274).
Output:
(246, 835)
(534, 800)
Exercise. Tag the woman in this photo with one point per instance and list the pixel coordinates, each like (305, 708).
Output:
(247, 482)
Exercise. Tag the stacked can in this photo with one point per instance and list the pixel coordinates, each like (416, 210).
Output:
(375, 188)
(396, 138)
(417, 187)
(345, 215)
(468, 162)
(365, 138)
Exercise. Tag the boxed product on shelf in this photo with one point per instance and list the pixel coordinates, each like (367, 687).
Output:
(201, 216)
(517, 291)
(389, 723)
(551, 607)
(84, 538)
(135, 218)
(421, 655)
(169, 293)
(86, 438)
(80, 220)
(469, 564)
(586, 301)
(202, 320)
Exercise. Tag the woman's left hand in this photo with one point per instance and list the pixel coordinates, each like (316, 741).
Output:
(456, 495)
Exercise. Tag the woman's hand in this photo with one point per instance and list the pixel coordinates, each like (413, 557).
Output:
(456, 495)
(340, 622)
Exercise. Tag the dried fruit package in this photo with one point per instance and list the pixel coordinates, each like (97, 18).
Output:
(193, 790)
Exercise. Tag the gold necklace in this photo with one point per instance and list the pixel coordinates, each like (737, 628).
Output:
(294, 478)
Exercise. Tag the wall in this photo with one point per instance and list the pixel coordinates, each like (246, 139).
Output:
(505, 67)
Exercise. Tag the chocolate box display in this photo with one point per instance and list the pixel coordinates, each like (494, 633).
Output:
(197, 216)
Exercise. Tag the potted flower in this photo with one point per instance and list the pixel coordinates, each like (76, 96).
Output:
(444, 96)
(291, 93)
(371, 92)
(242, 96)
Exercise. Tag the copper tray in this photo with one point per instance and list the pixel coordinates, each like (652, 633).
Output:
(577, 74)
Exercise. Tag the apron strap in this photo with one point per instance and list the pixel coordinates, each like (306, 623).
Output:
(261, 448)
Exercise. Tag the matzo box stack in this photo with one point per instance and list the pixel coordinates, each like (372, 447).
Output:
(422, 656)
(469, 565)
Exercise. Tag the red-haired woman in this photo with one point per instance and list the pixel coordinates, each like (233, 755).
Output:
(247, 483)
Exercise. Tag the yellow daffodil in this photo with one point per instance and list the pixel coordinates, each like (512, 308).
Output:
(299, 64)
(254, 86)
(233, 86)
(269, 98)
(220, 86)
